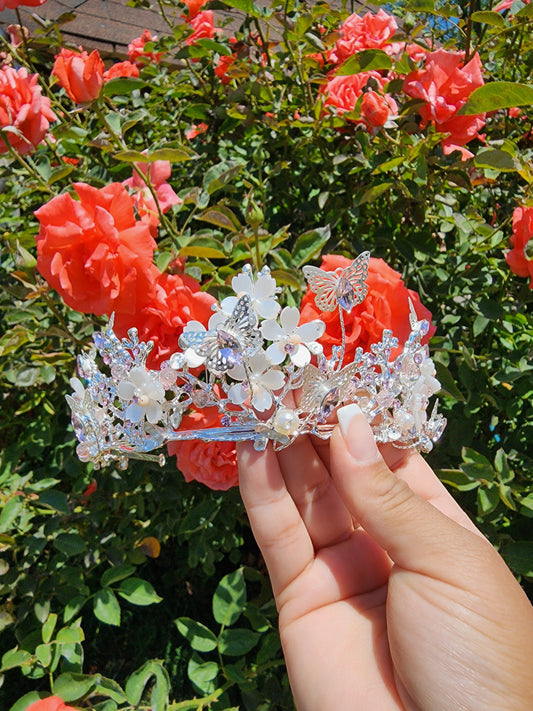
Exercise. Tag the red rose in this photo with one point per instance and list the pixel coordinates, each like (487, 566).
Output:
(136, 49)
(177, 299)
(196, 130)
(193, 7)
(224, 63)
(23, 107)
(203, 25)
(364, 32)
(80, 74)
(121, 69)
(343, 92)
(51, 703)
(13, 4)
(93, 251)
(386, 306)
(211, 463)
(445, 85)
(520, 258)
(376, 109)
(146, 207)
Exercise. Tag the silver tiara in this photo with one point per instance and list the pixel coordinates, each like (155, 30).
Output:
(267, 376)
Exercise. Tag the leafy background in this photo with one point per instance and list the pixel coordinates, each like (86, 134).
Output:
(150, 592)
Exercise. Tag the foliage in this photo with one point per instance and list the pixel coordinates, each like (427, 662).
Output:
(264, 172)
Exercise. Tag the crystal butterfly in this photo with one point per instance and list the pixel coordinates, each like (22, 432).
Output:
(345, 287)
(324, 391)
(232, 340)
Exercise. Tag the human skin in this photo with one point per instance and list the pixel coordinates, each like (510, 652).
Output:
(388, 595)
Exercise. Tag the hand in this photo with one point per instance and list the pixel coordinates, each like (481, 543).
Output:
(388, 595)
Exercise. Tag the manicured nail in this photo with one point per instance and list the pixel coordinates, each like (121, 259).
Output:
(345, 415)
(359, 437)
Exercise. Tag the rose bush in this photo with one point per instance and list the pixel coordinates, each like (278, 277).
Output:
(303, 131)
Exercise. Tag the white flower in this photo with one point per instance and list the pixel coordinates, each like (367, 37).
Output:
(258, 384)
(146, 395)
(262, 293)
(289, 339)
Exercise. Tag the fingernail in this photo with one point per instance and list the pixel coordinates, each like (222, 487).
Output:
(357, 434)
(345, 415)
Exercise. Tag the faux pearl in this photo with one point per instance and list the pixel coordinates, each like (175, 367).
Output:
(286, 421)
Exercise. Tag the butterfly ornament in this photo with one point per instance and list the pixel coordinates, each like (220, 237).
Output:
(344, 288)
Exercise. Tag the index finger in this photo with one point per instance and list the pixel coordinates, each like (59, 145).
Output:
(276, 523)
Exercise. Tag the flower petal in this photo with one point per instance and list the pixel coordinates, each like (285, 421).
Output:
(271, 330)
(275, 354)
(261, 399)
(301, 356)
(289, 318)
(267, 308)
(311, 331)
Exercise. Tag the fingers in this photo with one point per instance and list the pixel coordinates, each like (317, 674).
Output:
(416, 534)
(276, 523)
(310, 485)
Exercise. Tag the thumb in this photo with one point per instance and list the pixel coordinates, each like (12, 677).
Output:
(415, 534)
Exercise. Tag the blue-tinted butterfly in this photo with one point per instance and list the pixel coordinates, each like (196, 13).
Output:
(233, 339)
(344, 287)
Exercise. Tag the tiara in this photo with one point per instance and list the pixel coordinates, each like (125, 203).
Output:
(254, 364)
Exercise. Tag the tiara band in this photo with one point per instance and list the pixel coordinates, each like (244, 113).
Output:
(252, 363)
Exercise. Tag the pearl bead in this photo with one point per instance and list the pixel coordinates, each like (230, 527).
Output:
(143, 400)
(286, 421)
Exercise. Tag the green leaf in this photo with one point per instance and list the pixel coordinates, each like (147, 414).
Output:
(43, 652)
(131, 157)
(138, 592)
(487, 17)
(123, 85)
(222, 217)
(218, 175)
(365, 61)
(106, 607)
(200, 637)
(55, 499)
(309, 244)
(113, 575)
(495, 159)
(25, 701)
(202, 674)
(73, 606)
(160, 688)
(229, 598)
(10, 512)
(48, 627)
(372, 193)
(247, 6)
(214, 46)
(519, 557)
(71, 687)
(488, 499)
(204, 248)
(70, 544)
(174, 155)
(14, 658)
(108, 687)
(236, 642)
(70, 635)
(420, 5)
(447, 382)
(497, 95)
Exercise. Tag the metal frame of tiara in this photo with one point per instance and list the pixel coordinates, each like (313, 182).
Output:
(255, 363)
